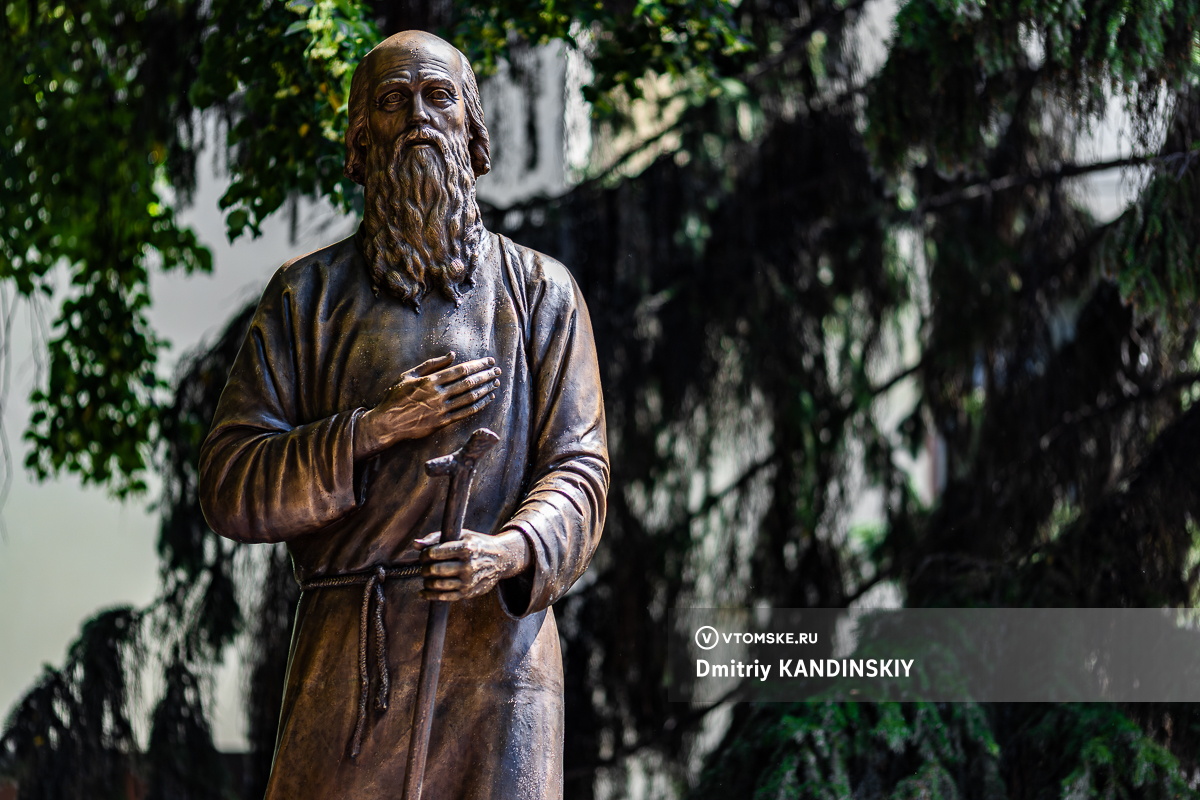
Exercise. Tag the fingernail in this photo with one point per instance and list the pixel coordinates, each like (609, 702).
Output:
(496, 371)
(491, 361)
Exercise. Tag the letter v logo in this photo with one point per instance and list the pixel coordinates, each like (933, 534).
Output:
(706, 637)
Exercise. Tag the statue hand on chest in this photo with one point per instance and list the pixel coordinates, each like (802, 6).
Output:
(427, 397)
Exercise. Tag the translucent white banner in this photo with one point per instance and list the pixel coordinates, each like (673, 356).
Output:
(942, 655)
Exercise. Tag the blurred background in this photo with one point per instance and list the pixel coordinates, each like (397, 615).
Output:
(895, 305)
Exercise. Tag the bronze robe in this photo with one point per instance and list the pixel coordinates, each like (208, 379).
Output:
(278, 466)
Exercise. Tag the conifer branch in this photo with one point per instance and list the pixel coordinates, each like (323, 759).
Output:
(982, 188)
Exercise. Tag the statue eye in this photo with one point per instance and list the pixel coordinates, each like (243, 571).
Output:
(391, 99)
(440, 96)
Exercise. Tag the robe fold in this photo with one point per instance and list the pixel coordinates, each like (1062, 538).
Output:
(278, 466)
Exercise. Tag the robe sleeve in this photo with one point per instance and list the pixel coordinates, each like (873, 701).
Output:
(562, 514)
(266, 475)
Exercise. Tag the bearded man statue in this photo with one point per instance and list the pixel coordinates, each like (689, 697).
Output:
(364, 360)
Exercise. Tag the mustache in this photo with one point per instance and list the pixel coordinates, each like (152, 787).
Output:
(422, 134)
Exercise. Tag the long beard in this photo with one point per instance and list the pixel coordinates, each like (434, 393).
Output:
(421, 229)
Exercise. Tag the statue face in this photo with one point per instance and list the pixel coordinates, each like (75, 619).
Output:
(417, 85)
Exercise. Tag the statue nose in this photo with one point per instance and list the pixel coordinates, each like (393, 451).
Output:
(419, 115)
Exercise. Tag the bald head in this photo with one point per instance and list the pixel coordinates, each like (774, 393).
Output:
(417, 44)
(386, 79)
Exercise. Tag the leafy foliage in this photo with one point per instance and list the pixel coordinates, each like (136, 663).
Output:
(74, 82)
(283, 92)
(694, 42)
(836, 750)
(972, 63)
(104, 130)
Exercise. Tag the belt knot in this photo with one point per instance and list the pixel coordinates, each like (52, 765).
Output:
(372, 581)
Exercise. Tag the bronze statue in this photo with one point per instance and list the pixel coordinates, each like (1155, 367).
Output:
(365, 360)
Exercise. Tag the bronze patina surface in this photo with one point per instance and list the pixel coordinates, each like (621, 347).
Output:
(366, 359)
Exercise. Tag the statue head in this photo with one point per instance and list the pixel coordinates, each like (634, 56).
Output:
(410, 47)
(417, 142)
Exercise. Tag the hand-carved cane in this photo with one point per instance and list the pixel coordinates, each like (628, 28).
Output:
(460, 466)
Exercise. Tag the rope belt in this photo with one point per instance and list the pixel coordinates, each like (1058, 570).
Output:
(372, 588)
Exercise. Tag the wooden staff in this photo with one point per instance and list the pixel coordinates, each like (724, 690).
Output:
(460, 466)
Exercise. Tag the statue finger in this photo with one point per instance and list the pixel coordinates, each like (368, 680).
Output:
(473, 396)
(428, 540)
(459, 371)
(466, 411)
(449, 551)
(472, 381)
(439, 596)
(442, 569)
(443, 584)
(431, 366)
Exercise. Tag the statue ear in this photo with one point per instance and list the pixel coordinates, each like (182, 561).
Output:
(481, 156)
(356, 156)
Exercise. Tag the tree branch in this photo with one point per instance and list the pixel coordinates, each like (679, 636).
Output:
(681, 724)
(1071, 419)
(1006, 182)
(712, 500)
(891, 382)
(863, 588)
